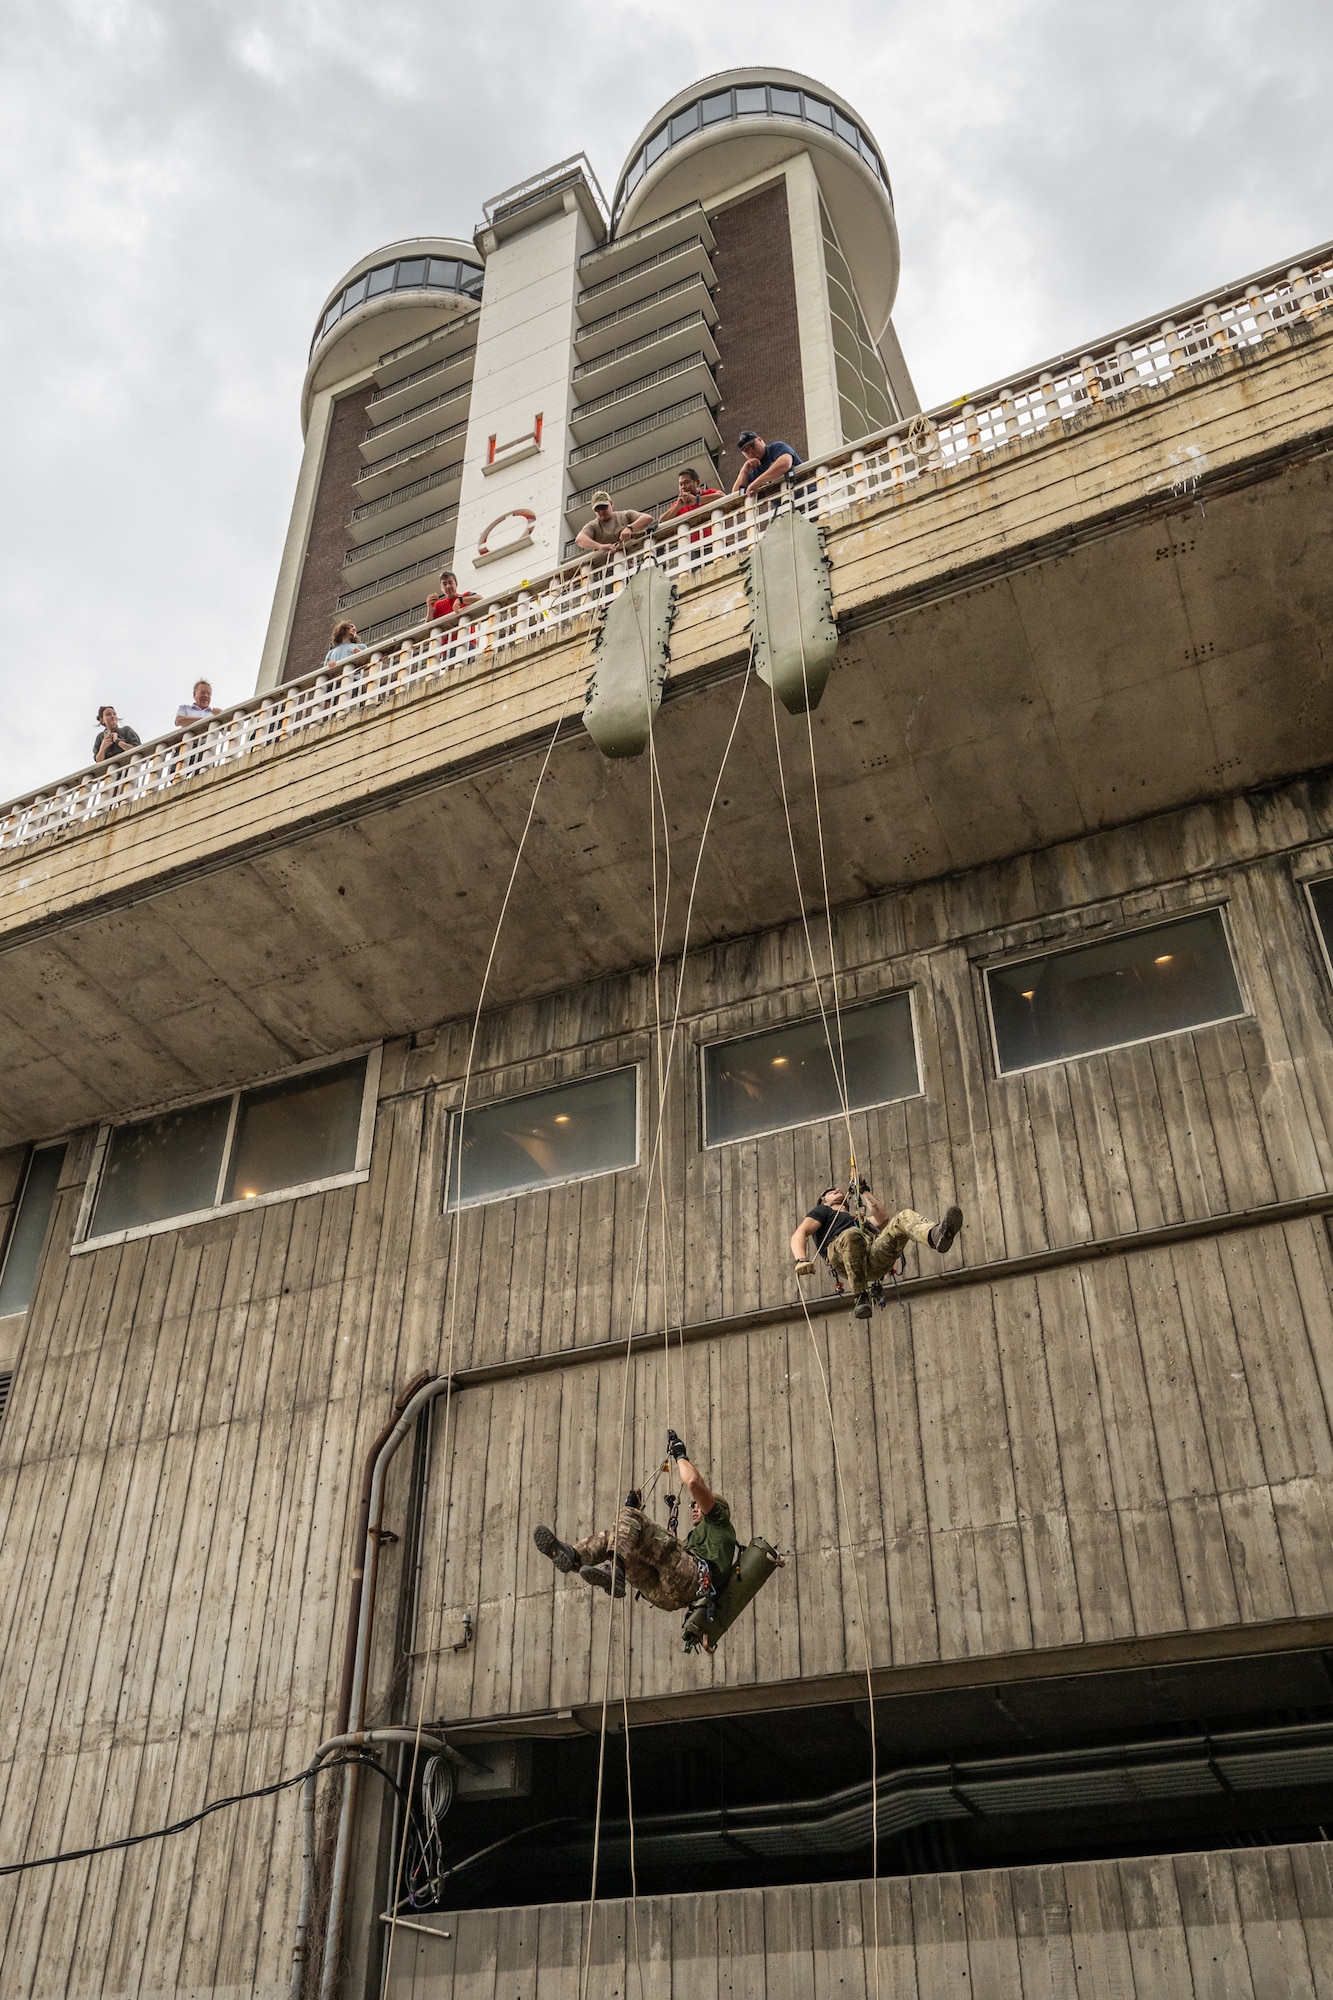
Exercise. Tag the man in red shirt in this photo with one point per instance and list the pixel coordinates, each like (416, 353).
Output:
(689, 496)
(449, 597)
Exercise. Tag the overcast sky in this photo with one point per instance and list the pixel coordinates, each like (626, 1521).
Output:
(184, 182)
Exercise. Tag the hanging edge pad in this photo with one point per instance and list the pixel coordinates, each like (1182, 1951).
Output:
(630, 663)
(754, 1566)
(791, 604)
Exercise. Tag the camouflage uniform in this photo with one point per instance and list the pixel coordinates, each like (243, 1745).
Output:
(659, 1567)
(859, 1262)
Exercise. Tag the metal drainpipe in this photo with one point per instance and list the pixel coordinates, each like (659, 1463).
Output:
(359, 1546)
(357, 1698)
(349, 1740)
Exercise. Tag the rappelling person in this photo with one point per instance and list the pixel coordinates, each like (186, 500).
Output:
(637, 1553)
(862, 1243)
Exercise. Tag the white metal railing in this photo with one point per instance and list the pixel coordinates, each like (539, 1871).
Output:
(887, 466)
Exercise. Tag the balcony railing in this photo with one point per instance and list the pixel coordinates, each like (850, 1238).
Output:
(415, 414)
(645, 340)
(421, 375)
(640, 386)
(656, 263)
(366, 551)
(689, 406)
(395, 580)
(888, 466)
(446, 475)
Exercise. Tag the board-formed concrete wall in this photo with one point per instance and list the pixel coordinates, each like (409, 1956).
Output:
(1256, 1924)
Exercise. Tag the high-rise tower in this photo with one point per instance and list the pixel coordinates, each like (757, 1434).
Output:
(464, 401)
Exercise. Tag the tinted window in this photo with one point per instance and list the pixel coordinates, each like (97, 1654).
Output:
(656, 146)
(715, 108)
(332, 317)
(1124, 989)
(844, 128)
(684, 123)
(162, 1166)
(750, 100)
(819, 113)
(381, 280)
(302, 1130)
(472, 280)
(564, 1134)
(412, 272)
(786, 102)
(23, 1252)
(785, 1076)
(1321, 900)
(444, 272)
(635, 174)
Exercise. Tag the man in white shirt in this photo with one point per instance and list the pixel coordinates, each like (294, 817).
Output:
(198, 708)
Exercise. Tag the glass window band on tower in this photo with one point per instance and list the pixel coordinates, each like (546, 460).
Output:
(747, 101)
(865, 400)
(27, 1234)
(408, 274)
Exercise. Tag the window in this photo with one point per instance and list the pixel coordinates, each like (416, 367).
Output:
(717, 108)
(1321, 902)
(568, 1133)
(354, 294)
(308, 1130)
(684, 123)
(444, 273)
(751, 101)
(381, 280)
(412, 272)
(785, 1076)
(786, 103)
(819, 113)
(656, 146)
(1122, 989)
(27, 1235)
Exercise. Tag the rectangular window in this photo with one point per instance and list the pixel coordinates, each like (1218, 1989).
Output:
(305, 1131)
(381, 280)
(1321, 902)
(412, 271)
(27, 1235)
(717, 108)
(684, 123)
(302, 1130)
(786, 103)
(818, 112)
(785, 1076)
(1123, 989)
(354, 294)
(568, 1133)
(444, 273)
(656, 146)
(752, 100)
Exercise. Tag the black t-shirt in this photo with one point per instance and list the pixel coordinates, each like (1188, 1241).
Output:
(832, 1222)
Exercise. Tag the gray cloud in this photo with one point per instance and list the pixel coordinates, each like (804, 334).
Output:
(183, 183)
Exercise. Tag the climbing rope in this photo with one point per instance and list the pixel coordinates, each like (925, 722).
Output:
(450, 1311)
(665, 1067)
(854, 1196)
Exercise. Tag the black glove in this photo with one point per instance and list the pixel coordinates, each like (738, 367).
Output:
(675, 1446)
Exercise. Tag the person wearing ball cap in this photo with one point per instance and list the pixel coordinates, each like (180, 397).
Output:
(764, 466)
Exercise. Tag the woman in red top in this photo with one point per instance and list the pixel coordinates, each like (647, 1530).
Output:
(450, 597)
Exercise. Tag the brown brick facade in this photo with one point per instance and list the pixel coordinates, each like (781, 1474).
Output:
(321, 576)
(761, 381)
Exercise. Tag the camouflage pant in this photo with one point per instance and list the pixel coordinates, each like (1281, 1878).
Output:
(659, 1567)
(858, 1261)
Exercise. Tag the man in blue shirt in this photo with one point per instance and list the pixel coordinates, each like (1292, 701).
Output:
(763, 466)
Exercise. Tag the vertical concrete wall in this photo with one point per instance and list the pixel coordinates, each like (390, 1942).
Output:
(1254, 1924)
(523, 369)
(759, 335)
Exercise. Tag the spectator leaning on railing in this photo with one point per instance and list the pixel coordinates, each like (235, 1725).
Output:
(198, 708)
(449, 598)
(113, 736)
(764, 466)
(344, 643)
(608, 529)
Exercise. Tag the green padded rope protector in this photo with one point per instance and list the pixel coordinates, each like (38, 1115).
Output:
(791, 606)
(631, 653)
(754, 1566)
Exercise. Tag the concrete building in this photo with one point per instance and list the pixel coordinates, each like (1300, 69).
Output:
(387, 1161)
(744, 278)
